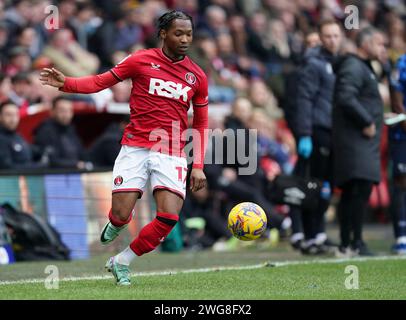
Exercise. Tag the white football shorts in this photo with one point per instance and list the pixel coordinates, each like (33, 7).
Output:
(135, 165)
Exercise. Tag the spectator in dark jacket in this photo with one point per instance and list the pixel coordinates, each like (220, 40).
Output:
(106, 148)
(15, 152)
(357, 126)
(312, 120)
(57, 137)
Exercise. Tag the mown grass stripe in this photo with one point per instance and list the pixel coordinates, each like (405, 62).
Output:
(214, 269)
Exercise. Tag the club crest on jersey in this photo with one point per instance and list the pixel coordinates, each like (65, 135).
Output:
(168, 89)
(190, 78)
(118, 181)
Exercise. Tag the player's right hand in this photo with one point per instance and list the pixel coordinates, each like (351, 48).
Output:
(370, 131)
(52, 77)
(197, 180)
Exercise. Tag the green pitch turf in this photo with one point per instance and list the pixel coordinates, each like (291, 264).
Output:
(378, 279)
(299, 277)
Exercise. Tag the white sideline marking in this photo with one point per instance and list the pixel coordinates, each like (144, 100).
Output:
(213, 269)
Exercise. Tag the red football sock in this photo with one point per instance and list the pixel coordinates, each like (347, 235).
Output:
(116, 221)
(154, 233)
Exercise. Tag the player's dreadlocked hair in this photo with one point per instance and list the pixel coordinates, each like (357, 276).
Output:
(165, 21)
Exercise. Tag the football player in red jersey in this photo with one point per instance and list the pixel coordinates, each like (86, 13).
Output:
(165, 81)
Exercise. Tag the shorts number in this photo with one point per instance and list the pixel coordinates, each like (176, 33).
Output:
(180, 174)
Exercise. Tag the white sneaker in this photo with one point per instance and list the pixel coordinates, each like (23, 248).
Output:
(345, 253)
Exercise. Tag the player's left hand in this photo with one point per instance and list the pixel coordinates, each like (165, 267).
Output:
(197, 180)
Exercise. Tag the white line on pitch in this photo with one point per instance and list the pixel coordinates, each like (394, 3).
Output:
(213, 269)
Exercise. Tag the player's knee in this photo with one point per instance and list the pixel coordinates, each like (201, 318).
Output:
(172, 207)
(121, 213)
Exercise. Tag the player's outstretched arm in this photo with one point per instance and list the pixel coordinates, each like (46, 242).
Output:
(89, 84)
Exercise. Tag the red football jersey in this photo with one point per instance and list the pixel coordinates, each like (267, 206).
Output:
(162, 92)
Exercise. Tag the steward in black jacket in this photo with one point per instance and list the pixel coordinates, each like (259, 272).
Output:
(357, 129)
(311, 125)
(357, 104)
(314, 96)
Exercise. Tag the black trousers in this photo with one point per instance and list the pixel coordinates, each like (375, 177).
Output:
(398, 203)
(351, 210)
(318, 166)
(398, 211)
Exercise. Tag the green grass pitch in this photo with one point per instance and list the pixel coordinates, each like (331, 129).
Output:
(379, 278)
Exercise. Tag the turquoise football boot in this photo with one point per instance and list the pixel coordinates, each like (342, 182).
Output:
(110, 232)
(120, 272)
